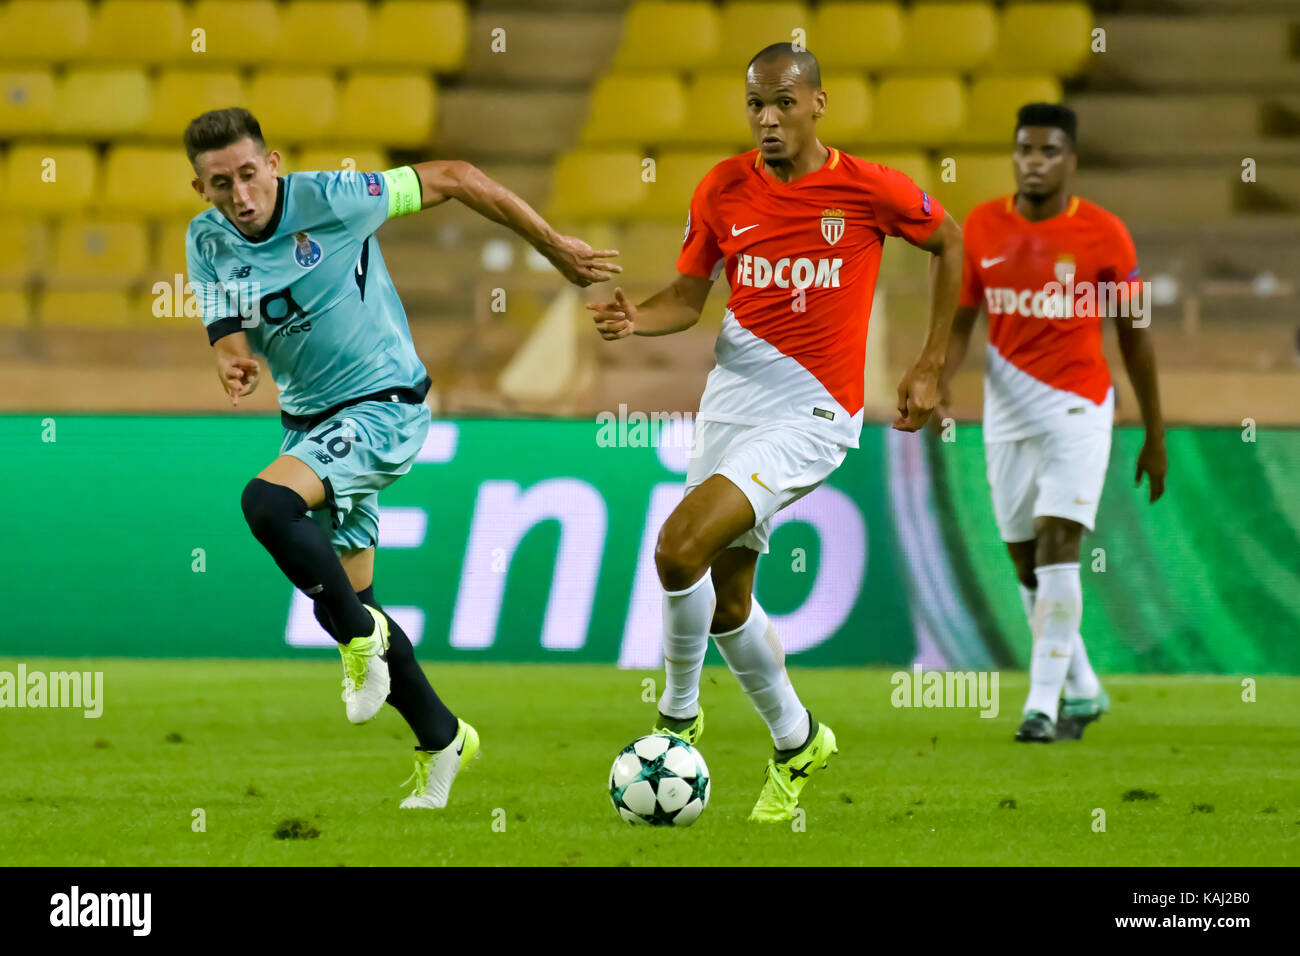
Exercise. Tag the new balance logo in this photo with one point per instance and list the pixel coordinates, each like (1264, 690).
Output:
(241, 272)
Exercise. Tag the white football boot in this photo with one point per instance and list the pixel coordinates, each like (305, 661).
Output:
(365, 671)
(435, 772)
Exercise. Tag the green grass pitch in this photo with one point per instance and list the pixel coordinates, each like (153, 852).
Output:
(1185, 771)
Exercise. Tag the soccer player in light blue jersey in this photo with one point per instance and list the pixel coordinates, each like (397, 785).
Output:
(288, 267)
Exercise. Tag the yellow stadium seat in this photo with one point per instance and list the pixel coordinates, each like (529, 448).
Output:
(366, 158)
(179, 96)
(1051, 37)
(91, 308)
(677, 173)
(50, 177)
(598, 184)
(857, 36)
(748, 26)
(848, 108)
(993, 102)
(292, 105)
(101, 102)
(911, 163)
(236, 31)
(397, 109)
(24, 246)
(98, 253)
(149, 180)
(43, 31)
(668, 35)
(978, 177)
(26, 102)
(648, 250)
(634, 109)
(917, 110)
(716, 112)
(949, 36)
(168, 256)
(313, 32)
(15, 308)
(426, 33)
(137, 31)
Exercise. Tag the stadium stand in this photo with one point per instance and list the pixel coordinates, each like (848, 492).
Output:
(605, 114)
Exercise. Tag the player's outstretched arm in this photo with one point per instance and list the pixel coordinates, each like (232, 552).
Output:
(918, 392)
(1140, 363)
(672, 309)
(455, 179)
(236, 367)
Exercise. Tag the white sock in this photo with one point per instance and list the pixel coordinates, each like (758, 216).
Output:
(1080, 679)
(1057, 614)
(755, 656)
(686, 638)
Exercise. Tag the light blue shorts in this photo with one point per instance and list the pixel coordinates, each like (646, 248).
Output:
(356, 454)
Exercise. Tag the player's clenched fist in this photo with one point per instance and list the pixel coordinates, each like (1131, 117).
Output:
(918, 394)
(614, 320)
(238, 375)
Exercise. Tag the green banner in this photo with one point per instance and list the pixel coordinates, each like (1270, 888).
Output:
(533, 541)
(1206, 580)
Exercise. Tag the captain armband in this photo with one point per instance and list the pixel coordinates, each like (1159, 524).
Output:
(405, 195)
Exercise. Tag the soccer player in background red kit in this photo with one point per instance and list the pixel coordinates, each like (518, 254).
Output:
(1048, 266)
(798, 229)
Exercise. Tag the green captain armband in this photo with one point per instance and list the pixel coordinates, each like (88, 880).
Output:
(405, 195)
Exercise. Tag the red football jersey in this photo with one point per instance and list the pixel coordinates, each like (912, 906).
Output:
(1047, 286)
(801, 259)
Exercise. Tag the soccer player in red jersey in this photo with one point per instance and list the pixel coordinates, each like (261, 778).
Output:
(798, 229)
(1048, 266)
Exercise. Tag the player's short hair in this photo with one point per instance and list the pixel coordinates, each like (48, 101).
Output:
(810, 71)
(217, 129)
(1049, 114)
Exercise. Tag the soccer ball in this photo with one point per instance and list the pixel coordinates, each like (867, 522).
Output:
(660, 780)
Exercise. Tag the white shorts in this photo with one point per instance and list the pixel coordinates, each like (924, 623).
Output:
(773, 466)
(1058, 474)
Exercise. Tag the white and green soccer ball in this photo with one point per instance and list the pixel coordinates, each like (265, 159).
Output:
(660, 780)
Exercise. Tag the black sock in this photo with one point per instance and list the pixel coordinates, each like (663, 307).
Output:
(411, 694)
(278, 518)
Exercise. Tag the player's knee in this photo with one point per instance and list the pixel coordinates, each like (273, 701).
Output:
(1058, 542)
(678, 562)
(732, 612)
(265, 504)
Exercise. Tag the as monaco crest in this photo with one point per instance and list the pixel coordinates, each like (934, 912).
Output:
(832, 225)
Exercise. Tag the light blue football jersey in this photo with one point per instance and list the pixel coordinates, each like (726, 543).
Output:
(312, 291)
